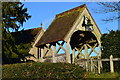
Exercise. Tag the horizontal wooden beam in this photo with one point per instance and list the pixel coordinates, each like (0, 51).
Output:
(47, 57)
(93, 41)
(114, 59)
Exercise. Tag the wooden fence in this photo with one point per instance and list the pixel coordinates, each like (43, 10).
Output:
(93, 65)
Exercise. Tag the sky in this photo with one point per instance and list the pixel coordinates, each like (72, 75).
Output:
(44, 12)
(69, 0)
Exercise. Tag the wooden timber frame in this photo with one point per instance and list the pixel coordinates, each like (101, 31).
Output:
(86, 55)
(49, 53)
(67, 27)
(85, 47)
(52, 52)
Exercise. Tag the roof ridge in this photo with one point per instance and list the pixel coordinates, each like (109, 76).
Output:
(70, 10)
(32, 29)
(60, 26)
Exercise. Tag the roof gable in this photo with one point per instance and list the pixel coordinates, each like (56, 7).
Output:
(78, 25)
(60, 26)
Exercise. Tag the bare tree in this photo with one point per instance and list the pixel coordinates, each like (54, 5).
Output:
(110, 7)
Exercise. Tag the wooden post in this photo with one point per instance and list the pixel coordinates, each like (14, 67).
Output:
(99, 64)
(42, 54)
(100, 52)
(111, 64)
(53, 53)
(86, 56)
(91, 67)
(68, 53)
(73, 55)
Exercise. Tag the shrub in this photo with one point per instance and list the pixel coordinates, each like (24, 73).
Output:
(43, 71)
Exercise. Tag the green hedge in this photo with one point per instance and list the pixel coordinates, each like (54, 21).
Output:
(43, 70)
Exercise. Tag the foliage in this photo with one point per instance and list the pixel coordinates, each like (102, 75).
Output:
(8, 51)
(12, 52)
(110, 43)
(43, 71)
(13, 16)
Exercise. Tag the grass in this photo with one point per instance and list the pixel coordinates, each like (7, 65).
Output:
(104, 76)
(43, 70)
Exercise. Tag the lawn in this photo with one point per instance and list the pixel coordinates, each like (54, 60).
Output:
(104, 76)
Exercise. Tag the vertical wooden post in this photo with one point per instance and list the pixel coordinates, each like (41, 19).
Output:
(42, 54)
(99, 64)
(53, 53)
(73, 55)
(91, 62)
(86, 56)
(111, 64)
(68, 53)
(100, 52)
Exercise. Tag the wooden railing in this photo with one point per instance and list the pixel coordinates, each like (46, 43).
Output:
(91, 60)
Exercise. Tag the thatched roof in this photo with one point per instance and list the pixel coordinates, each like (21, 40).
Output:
(60, 26)
(26, 36)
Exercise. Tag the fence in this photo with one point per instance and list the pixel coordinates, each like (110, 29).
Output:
(58, 58)
(94, 64)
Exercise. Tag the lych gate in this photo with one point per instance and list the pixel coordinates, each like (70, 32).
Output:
(76, 33)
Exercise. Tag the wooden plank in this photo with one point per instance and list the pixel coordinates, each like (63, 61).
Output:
(86, 56)
(53, 53)
(42, 53)
(62, 48)
(46, 52)
(47, 47)
(91, 67)
(73, 56)
(68, 53)
(99, 64)
(99, 47)
(93, 49)
(114, 59)
(58, 50)
(86, 51)
(79, 52)
(111, 64)
(47, 57)
(105, 60)
(81, 48)
(100, 52)
(92, 41)
(60, 54)
(59, 46)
